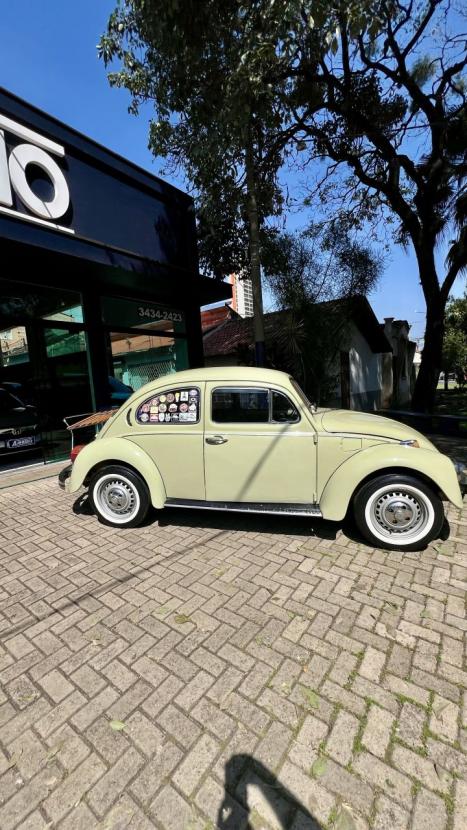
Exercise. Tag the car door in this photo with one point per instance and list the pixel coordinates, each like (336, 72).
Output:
(167, 425)
(258, 445)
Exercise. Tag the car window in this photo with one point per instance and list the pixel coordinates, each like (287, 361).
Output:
(283, 410)
(175, 406)
(239, 406)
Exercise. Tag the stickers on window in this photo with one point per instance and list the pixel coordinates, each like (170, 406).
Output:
(178, 406)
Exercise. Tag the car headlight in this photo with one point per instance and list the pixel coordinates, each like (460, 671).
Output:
(411, 442)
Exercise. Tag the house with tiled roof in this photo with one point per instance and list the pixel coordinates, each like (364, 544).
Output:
(363, 364)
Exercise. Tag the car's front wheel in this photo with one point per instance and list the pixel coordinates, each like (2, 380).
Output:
(119, 496)
(398, 512)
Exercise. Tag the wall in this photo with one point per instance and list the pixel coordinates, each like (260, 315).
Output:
(366, 373)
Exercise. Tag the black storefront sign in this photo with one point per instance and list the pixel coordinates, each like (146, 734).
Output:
(99, 287)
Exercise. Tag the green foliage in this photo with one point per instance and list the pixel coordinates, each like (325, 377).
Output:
(372, 91)
(307, 273)
(455, 339)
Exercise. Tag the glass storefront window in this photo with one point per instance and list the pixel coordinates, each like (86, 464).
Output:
(13, 346)
(61, 342)
(22, 300)
(43, 364)
(139, 358)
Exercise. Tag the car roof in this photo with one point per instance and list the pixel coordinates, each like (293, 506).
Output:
(223, 373)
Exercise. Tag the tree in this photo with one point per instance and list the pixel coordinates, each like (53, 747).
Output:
(455, 341)
(370, 93)
(214, 119)
(387, 103)
(315, 277)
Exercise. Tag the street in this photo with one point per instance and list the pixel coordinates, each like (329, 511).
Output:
(210, 670)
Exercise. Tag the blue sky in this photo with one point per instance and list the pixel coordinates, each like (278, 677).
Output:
(49, 58)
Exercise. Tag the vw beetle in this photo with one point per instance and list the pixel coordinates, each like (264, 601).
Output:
(244, 439)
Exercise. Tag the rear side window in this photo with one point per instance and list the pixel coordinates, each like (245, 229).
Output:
(240, 406)
(175, 406)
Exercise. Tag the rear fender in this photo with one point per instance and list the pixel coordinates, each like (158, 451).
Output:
(117, 451)
(341, 486)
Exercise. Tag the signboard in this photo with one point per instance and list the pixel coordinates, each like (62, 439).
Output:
(37, 151)
(118, 311)
(52, 179)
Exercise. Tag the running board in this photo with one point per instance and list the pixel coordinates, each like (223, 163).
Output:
(249, 507)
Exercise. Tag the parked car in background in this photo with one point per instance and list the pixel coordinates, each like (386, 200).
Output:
(243, 439)
(119, 391)
(19, 424)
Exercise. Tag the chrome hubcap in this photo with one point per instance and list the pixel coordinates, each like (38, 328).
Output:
(399, 512)
(116, 498)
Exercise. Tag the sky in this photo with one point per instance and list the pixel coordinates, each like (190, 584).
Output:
(49, 57)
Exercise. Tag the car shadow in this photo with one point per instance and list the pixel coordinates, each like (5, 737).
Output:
(82, 506)
(252, 792)
(225, 520)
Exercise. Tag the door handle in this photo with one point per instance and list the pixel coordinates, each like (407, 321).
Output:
(216, 439)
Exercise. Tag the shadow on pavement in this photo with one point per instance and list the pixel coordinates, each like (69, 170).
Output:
(248, 522)
(254, 795)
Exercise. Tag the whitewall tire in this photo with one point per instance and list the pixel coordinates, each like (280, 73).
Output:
(119, 497)
(398, 512)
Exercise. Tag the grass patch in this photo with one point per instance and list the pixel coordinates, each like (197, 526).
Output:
(311, 698)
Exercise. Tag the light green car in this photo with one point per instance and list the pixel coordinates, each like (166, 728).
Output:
(244, 439)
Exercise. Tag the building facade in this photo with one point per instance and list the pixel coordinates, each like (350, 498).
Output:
(99, 285)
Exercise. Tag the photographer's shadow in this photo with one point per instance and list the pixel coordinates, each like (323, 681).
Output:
(253, 794)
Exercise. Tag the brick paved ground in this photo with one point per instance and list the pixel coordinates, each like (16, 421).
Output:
(210, 671)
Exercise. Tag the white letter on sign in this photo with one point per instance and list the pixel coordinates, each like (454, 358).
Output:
(25, 154)
(5, 189)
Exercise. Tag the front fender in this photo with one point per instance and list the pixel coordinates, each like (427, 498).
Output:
(339, 488)
(117, 451)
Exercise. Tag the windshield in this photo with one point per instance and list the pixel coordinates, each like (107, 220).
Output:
(9, 403)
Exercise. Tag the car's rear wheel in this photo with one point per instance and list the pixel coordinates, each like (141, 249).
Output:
(398, 512)
(119, 496)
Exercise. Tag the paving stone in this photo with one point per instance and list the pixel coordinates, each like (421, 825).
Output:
(447, 757)
(374, 635)
(195, 764)
(406, 689)
(444, 718)
(309, 793)
(372, 664)
(171, 810)
(347, 786)
(389, 815)
(28, 754)
(377, 732)
(220, 808)
(379, 774)
(429, 811)
(265, 801)
(56, 685)
(340, 742)
(410, 725)
(179, 726)
(423, 769)
(73, 788)
(155, 772)
(80, 818)
(274, 745)
(460, 810)
(114, 782)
